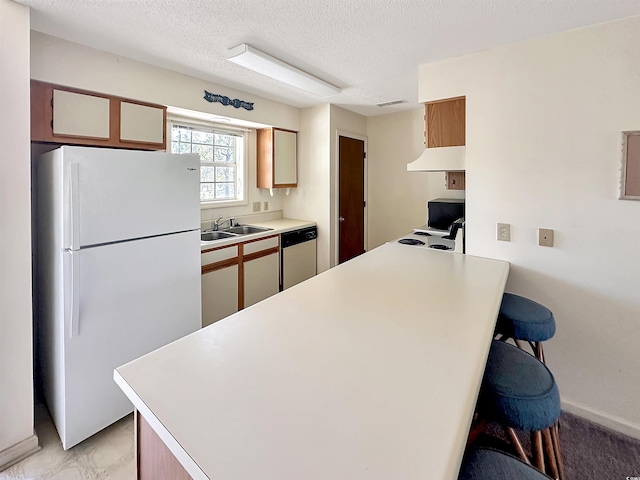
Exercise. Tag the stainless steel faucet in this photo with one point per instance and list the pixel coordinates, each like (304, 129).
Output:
(217, 223)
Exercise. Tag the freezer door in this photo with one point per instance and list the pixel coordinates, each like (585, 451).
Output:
(112, 195)
(123, 301)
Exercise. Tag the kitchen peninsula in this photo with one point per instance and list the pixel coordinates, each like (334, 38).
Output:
(368, 370)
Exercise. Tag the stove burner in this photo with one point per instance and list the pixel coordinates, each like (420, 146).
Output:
(424, 234)
(440, 247)
(410, 241)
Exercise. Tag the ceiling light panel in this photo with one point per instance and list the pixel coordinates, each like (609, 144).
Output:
(264, 64)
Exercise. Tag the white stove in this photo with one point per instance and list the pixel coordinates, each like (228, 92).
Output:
(426, 237)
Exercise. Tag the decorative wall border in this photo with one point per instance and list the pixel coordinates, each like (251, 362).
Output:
(224, 100)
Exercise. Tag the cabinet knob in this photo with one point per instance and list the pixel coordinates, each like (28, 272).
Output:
(341, 219)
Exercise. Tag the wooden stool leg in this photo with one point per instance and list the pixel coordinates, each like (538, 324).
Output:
(476, 429)
(537, 451)
(520, 344)
(516, 443)
(550, 452)
(556, 446)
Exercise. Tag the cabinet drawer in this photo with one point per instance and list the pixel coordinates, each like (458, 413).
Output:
(262, 244)
(219, 255)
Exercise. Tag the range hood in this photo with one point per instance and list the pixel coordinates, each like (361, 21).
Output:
(439, 159)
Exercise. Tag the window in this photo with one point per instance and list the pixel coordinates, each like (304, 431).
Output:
(221, 160)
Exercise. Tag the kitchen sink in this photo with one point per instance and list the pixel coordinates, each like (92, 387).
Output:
(216, 235)
(246, 229)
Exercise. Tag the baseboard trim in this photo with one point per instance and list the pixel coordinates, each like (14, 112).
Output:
(604, 419)
(19, 451)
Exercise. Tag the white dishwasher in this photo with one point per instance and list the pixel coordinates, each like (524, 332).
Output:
(298, 256)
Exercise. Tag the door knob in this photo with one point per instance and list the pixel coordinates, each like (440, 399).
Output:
(341, 219)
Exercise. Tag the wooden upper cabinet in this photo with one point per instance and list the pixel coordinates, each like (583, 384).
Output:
(277, 158)
(445, 123)
(445, 127)
(67, 115)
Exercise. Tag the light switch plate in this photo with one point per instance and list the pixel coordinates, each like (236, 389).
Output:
(503, 232)
(256, 206)
(545, 237)
(266, 206)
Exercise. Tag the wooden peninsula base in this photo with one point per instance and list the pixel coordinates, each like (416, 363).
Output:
(154, 460)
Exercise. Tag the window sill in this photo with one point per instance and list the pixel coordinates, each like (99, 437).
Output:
(230, 203)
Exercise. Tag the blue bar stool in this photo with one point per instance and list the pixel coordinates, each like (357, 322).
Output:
(519, 392)
(490, 464)
(523, 319)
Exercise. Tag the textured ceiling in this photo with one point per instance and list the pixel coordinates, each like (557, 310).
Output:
(370, 48)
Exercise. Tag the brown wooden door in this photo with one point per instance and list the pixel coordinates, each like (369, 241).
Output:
(351, 198)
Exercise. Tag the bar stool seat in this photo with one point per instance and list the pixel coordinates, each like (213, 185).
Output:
(489, 464)
(519, 392)
(523, 319)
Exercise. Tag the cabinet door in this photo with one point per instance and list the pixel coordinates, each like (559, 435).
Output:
(80, 115)
(219, 294)
(219, 283)
(455, 180)
(261, 278)
(142, 123)
(446, 122)
(277, 158)
(285, 161)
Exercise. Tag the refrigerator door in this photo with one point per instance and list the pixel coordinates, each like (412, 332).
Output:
(121, 301)
(113, 195)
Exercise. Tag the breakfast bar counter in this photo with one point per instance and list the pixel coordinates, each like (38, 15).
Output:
(369, 370)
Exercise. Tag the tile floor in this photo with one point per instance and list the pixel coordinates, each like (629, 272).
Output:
(108, 455)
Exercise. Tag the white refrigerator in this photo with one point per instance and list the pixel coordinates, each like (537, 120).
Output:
(117, 273)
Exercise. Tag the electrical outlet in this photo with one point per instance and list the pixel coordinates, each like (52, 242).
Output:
(256, 206)
(503, 232)
(545, 237)
(266, 206)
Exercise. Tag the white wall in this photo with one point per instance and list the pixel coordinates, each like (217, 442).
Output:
(543, 150)
(16, 373)
(58, 61)
(397, 198)
(311, 199)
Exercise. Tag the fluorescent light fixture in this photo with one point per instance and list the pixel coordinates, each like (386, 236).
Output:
(266, 65)
(392, 102)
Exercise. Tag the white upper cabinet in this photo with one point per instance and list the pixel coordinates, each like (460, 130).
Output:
(277, 158)
(284, 152)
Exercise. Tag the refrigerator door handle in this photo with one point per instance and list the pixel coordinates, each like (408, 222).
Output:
(74, 320)
(74, 204)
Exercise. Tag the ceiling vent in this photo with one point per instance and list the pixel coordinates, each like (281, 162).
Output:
(393, 102)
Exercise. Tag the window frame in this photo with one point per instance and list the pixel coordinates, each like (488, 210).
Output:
(242, 167)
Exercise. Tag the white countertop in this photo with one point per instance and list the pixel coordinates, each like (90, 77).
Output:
(278, 226)
(369, 370)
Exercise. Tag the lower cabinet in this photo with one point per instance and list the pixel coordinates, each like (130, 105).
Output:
(262, 272)
(219, 283)
(237, 276)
